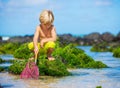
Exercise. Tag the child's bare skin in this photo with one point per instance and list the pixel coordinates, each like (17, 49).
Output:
(45, 32)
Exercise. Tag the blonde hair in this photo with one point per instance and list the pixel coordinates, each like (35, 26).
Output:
(46, 17)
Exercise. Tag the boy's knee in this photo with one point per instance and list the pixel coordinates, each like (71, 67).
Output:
(49, 45)
(50, 49)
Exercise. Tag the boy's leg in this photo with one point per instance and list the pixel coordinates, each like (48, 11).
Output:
(49, 53)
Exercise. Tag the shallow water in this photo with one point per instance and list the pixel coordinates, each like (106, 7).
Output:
(6, 57)
(81, 78)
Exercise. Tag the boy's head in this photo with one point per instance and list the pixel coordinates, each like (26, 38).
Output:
(46, 17)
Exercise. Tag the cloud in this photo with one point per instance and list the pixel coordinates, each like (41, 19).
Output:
(10, 6)
(16, 7)
(103, 2)
(21, 3)
(26, 3)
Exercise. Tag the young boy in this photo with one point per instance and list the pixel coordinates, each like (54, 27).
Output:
(46, 34)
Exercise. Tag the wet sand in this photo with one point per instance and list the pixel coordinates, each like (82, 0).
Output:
(8, 80)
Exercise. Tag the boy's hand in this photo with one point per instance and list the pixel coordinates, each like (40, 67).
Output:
(36, 50)
(42, 43)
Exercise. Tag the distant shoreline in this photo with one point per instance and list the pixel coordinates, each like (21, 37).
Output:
(81, 39)
(74, 35)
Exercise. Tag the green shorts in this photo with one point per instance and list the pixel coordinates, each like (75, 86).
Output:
(44, 49)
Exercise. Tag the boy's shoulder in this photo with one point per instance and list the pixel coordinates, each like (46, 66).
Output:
(38, 27)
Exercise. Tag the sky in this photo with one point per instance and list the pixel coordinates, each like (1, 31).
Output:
(20, 17)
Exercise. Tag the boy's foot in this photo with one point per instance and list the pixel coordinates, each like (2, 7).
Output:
(51, 58)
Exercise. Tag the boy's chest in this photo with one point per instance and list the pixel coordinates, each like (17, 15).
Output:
(45, 34)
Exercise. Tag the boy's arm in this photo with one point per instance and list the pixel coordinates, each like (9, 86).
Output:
(35, 38)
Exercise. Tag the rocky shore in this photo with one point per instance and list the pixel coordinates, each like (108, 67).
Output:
(90, 39)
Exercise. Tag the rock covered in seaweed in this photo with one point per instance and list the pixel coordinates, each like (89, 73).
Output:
(66, 57)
